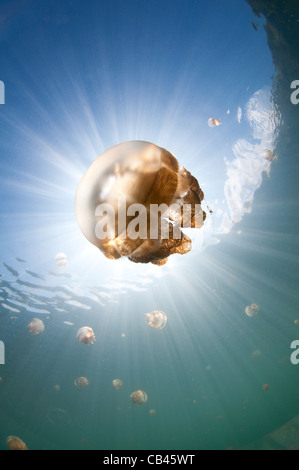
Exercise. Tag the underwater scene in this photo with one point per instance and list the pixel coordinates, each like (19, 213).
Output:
(149, 210)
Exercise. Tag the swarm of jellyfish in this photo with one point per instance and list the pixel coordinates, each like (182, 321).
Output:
(139, 397)
(15, 443)
(36, 327)
(252, 310)
(117, 383)
(156, 319)
(86, 335)
(141, 178)
(81, 382)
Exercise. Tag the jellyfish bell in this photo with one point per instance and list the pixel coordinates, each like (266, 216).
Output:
(86, 335)
(252, 310)
(36, 327)
(15, 443)
(152, 412)
(139, 397)
(81, 382)
(141, 178)
(212, 122)
(156, 319)
(117, 383)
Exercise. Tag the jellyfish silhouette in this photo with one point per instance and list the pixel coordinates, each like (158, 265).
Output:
(86, 335)
(141, 178)
(36, 327)
(156, 319)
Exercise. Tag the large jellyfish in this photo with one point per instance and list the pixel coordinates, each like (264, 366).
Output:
(156, 319)
(133, 201)
(139, 397)
(86, 335)
(15, 443)
(36, 327)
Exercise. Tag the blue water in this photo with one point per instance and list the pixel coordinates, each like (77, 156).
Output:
(77, 81)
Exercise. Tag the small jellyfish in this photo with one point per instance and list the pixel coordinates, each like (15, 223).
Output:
(36, 327)
(269, 155)
(266, 387)
(57, 388)
(152, 412)
(156, 319)
(140, 178)
(252, 310)
(61, 260)
(117, 383)
(256, 354)
(296, 322)
(86, 335)
(139, 397)
(212, 122)
(15, 443)
(81, 382)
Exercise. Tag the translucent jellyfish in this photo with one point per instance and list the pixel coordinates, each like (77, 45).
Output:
(117, 383)
(61, 260)
(140, 178)
(266, 387)
(256, 354)
(252, 310)
(36, 327)
(86, 335)
(15, 443)
(269, 155)
(81, 382)
(212, 122)
(139, 397)
(152, 412)
(156, 319)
